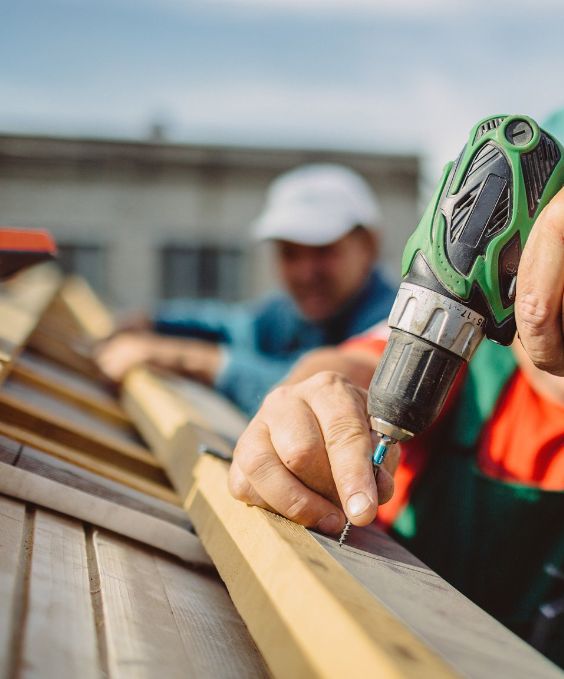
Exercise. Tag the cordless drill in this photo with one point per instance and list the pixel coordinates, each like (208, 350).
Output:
(459, 271)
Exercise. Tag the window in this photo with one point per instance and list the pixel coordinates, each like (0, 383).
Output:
(202, 271)
(88, 261)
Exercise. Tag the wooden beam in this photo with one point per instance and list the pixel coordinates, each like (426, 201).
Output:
(308, 616)
(23, 410)
(59, 604)
(48, 466)
(169, 425)
(76, 389)
(22, 304)
(24, 485)
(106, 468)
(73, 323)
(12, 575)
(86, 309)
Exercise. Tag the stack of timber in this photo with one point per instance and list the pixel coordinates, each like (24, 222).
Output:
(101, 571)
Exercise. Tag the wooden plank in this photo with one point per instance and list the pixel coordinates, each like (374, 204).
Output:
(110, 468)
(73, 323)
(33, 289)
(168, 424)
(22, 303)
(193, 632)
(24, 485)
(60, 634)
(51, 340)
(12, 536)
(59, 424)
(9, 450)
(407, 611)
(17, 324)
(86, 309)
(213, 634)
(68, 474)
(465, 635)
(52, 378)
(83, 418)
(206, 408)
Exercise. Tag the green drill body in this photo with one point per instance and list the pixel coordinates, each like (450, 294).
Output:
(537, 173)
(459, 269)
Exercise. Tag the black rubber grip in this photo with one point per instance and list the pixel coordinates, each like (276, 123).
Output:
(412, 381)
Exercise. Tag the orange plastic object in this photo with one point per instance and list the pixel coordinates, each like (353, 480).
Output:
(20, 248)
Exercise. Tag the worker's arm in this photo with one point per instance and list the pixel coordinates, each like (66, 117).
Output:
(241, 374)
(200, 359)
(235, 362)
(539, 306)
(306, 454)
(191, 333)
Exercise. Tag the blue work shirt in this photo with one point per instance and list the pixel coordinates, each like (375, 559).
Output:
(262, 340)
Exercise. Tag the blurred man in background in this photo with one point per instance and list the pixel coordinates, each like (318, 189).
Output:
(323, 222)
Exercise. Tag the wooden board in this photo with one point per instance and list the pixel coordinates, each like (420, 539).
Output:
(24, 485)
(12, 576)
(168, 423)
(68, 474)
(110, 468)
(82, 602)
(52, 378)
(46, 417)
(73, 323)
(306, 614)
(468, 638)
(185, 637)
(60, 637)
(9, 450)
(22, 303)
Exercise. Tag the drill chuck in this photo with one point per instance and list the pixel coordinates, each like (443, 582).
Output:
(432, 335)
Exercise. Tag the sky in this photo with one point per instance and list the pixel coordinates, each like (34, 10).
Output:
(371, 75)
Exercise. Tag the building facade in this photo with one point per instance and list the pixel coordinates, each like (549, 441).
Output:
(144, 221)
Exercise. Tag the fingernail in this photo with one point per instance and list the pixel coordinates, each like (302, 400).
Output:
(330, 524)
(357, 504)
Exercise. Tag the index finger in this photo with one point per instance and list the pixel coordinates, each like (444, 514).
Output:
(341, 413)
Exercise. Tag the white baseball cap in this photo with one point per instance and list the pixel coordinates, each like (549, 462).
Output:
(316, 205)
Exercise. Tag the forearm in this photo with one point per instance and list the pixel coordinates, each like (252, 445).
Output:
(198, 359)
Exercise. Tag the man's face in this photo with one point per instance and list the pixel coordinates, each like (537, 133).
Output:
(321, 279)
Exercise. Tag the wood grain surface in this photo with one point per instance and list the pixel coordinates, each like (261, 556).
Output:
(81, 602)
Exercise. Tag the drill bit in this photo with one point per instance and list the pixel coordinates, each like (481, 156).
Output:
(380, 452)
(378, 458)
